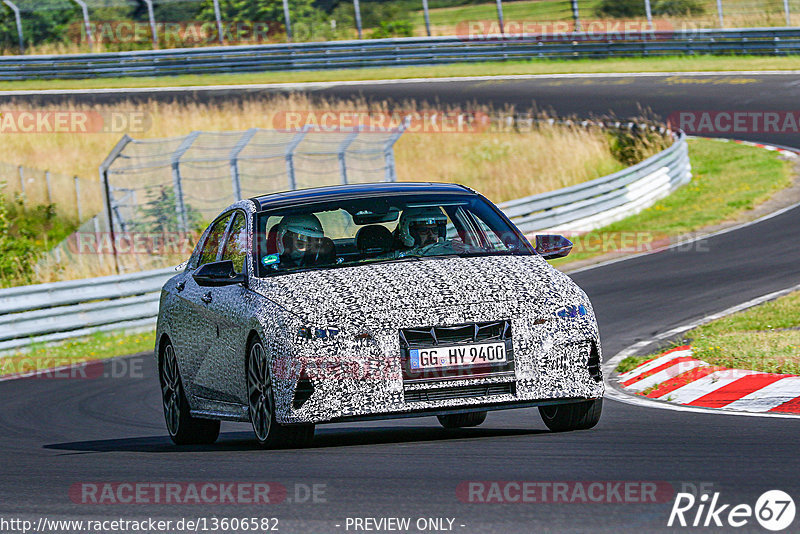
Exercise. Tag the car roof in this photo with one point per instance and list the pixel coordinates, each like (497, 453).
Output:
(339, 192)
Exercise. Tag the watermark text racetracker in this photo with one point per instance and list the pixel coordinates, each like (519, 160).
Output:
(183, 243)
(33, 121)
(710, 122)
(564, 492)
(200, 493)
(563, 30)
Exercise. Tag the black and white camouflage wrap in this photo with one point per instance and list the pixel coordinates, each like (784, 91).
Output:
(357, 373)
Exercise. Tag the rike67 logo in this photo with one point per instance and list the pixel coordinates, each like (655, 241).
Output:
(774, 510)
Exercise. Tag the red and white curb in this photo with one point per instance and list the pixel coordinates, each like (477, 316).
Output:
(784, 151)
(677, 377)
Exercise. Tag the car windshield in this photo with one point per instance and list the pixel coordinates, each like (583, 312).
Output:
(351, 232)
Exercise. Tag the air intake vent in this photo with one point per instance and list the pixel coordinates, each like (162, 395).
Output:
(302, 391)
(594, 364)
(460, 392)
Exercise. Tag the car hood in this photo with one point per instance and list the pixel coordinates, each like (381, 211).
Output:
(385, 289)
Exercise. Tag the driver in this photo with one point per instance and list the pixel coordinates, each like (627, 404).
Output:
(422, 227)
(300, 240)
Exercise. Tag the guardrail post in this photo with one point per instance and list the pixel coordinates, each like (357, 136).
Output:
(218, 17)
(49, 188)
(500, 16)
(21, 181)
(76, 181)
(290, 148)
(109, 201)
(342, 149)
(86, 24)
(177, 184)
(357, 7)
(388, 150)
(288, 20)
(428, 17)
(234, 158)
(152, 19)
(719, 12)
(96, 226)
(576, 16)
(18, 19)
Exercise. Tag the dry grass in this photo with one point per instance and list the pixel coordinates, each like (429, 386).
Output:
(501, 164)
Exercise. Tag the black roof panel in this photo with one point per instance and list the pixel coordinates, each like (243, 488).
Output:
(334, 192)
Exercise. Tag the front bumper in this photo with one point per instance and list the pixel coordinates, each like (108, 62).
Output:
(543, 373)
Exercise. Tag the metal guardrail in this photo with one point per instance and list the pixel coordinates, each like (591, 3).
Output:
(44, 313)
(601, 201)
(61, 310)
(401, 52)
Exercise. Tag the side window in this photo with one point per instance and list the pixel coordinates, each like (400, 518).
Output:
(213, 241)
(236, 244)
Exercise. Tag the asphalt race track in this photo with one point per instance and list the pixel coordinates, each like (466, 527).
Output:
(59, 432)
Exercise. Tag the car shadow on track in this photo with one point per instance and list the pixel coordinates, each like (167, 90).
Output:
(323, 439)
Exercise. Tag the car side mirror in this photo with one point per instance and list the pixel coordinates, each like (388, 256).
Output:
(218, 273)
(551, 247)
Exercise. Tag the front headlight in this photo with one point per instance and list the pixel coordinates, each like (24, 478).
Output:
(313, 332)
(570, 312)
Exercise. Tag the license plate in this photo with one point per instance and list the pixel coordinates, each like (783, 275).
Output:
(462, 355)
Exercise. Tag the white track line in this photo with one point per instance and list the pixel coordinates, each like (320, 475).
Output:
(393, 81)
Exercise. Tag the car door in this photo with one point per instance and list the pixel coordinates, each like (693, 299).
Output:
(194, 328)
(230, 311)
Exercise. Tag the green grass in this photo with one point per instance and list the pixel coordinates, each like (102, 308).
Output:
(95, 347)
(727, 180)
(497, 68)
(631, 362)
(764, 338)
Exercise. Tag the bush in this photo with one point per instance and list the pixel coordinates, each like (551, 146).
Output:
(635, 145)
(394, 28)
(621, 8)
(24, 234)
(678, 8)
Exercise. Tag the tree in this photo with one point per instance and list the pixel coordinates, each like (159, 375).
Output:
(159, 214)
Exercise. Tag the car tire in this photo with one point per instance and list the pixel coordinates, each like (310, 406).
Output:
(261, 405)
(182, 427)
(581, 415)
(461, 420)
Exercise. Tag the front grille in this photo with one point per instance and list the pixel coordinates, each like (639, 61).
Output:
(460, 392)
(455, 335)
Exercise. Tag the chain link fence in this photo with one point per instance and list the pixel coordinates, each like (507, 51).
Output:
(181, 183)
(74, 198)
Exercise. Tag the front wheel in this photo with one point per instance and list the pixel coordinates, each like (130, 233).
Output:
(182, 427)
(581, 415)
(462, 420)
(269, 433)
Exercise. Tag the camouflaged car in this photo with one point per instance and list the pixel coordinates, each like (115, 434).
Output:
(372, 301)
